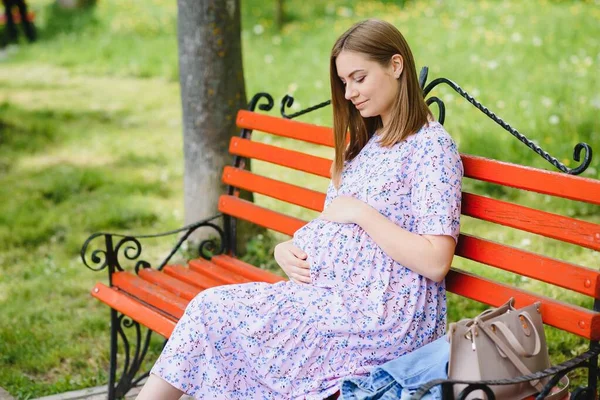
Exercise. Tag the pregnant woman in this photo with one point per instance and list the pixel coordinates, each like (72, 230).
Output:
(366, 277)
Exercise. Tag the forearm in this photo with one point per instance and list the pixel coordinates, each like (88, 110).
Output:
(413, 251)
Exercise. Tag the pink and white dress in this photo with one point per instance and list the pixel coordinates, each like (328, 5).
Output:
(298, 341)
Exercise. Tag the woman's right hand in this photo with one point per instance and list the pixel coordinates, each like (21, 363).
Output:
(293, 262)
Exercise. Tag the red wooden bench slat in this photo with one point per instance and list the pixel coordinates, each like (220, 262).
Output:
(264, 217)
(287, 158)
(212, 270)
(554, 226)
(251, 272)
(536, 266)
(285, 127)
(533, 179)
(137, 311)
(293, 194)
(150, 293)
(173, 285)
(577, 320)
(193, 278)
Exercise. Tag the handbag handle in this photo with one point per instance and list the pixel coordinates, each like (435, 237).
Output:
(506, 307)
(514, 342)
(522, 367)
(511, 355)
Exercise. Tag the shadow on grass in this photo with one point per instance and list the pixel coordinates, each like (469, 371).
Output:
(48, 205)
(25, 131)
(60, 21)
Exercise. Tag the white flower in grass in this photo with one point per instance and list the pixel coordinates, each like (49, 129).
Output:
(537, 41)
(296, 106)
(554, 120)
(525, 242)
(547, 102)
(510, 21)
(258, 29)
(292, 87)
(516, 37)
(492, 64)
(319, 84)
(596, 102)
(500, 104)
(475, 92)
(474, 58)
(268, 59)
(276, 40)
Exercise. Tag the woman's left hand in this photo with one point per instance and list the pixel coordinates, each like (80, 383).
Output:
(345, 210)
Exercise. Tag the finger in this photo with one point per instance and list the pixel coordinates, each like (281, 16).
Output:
(301, 271)
(298, 253)
(302, 264)
(302, 279)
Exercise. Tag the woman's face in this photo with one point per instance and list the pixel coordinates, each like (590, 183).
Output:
(370, 87)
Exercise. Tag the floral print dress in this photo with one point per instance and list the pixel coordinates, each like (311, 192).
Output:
(298, 341)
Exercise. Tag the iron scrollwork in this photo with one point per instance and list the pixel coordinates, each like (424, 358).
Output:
(129, 247)
(133, 357)
(288, 101)
(580, 148)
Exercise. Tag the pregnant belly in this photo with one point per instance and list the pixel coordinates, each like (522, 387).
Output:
(333, 250)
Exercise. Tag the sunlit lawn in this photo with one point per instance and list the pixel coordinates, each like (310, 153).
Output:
(90, 139)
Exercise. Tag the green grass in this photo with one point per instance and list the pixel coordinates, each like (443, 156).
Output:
(90, 139)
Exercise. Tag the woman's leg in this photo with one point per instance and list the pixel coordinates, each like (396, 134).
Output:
(157, 388)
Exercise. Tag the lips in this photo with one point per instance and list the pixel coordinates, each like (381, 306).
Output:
(358, 105)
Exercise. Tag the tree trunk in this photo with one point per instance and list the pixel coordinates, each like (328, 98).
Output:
(279, 14)
(212, 90)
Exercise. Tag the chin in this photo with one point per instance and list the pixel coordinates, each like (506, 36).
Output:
(366, 113)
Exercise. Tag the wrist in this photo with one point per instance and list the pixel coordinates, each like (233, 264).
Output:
(363, 215)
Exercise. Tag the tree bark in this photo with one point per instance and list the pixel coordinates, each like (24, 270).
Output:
(212, 90)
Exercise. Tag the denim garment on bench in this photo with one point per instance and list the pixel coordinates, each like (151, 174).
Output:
(400, 378)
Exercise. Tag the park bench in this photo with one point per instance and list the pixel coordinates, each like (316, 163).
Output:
(155, 296)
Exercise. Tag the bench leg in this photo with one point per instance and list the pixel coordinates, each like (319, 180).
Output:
(593, 375)
(134, 354)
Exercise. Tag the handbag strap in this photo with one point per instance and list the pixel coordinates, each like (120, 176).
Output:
(522, 367)
(511, 355)
(512, 340)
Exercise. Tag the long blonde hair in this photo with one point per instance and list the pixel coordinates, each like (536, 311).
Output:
(378, 41)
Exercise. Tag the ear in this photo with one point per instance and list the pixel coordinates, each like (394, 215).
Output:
(397, 65)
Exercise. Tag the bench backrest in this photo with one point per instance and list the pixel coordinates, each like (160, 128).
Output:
(583, 235)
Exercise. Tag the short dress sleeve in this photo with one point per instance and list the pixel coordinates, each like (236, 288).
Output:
(437, 184)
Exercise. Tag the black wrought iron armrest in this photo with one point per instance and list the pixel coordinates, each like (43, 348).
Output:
(117, 245)
(559, 371)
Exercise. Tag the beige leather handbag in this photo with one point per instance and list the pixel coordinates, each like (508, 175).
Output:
(501, 343)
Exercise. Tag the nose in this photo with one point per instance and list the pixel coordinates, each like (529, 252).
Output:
(350, 93)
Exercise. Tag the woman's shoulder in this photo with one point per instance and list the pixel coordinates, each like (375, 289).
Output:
(432, 130)
(434, 135)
